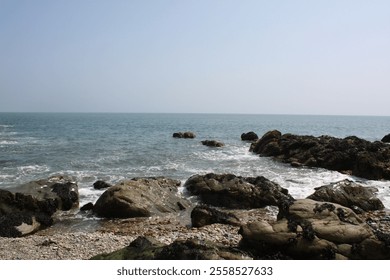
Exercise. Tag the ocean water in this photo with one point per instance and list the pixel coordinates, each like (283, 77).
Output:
(113, 147)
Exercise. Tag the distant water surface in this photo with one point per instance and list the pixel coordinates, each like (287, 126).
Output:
(113, 147)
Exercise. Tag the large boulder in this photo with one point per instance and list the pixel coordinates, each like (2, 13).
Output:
(349, 194)
(147, 248)
(350, 155)
(140, 197)
(310, 229)
(31, 206)
(22, 214)
(236, 192)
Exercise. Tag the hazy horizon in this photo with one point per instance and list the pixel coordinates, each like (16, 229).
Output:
(224, 57)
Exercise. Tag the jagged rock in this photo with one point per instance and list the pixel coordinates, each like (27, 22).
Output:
(350, 155)
(140, 197)
(212, 143)
(349, 194)
(249, 136)
(203, 215)
(235, 192)
(99, 185)
(147, 248)
(313, 230)
(187, 134)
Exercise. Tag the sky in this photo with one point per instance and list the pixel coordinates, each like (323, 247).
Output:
(328, 57)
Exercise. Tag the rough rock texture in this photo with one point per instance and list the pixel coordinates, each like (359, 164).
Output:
(212, 143)
(235, 192)
(140, 197)
(203, 215)
(349, 194)
(187, 134)
(350, 155)
(249, 136)
(146, 248)
(31, 208)
(314, 230)
(386, 138)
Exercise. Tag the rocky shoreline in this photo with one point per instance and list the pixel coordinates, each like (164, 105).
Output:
(224, 216)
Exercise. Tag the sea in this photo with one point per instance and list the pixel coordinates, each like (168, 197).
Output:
(117, 146)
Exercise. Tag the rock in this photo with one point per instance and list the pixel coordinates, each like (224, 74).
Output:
(249, 136)
(386, 138)
(349, 194)
(212, 143)
(235, 192)
(99, 185)
(203, 215)
(59, 188)
(350, 155)
(312, 230)
(147, 248)
(187, 134)
(87, 207)
(22, 214)
(140, 197)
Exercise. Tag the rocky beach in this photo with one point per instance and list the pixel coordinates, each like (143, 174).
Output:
(210, 216)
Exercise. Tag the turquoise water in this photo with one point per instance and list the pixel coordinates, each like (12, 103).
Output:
(113, 147)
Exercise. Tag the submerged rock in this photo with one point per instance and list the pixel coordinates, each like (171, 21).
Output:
(187, 134)
(236, 192)
(212, 143)
(350, 155)
(140, 197)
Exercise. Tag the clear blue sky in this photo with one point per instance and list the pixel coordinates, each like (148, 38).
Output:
(280, 57)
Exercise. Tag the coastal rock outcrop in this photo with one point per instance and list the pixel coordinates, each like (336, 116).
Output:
(212, 143)
(350, 155)
(313, 230)
(147, 248)
(249, 136)
(236, 192)
(140, 197)
(99, 185)
(187, 134)
(349, 194)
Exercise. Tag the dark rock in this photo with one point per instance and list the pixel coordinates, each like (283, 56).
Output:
(349, 194)
(87, 207)
(235, 192)
(99, 185)
(212, 143)
(249, 136)
(386, 138)
(314, 230)
(22, 214)
(147, 248)
(140, 197)
(350, 155)
(203, 215)
(187, 134)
